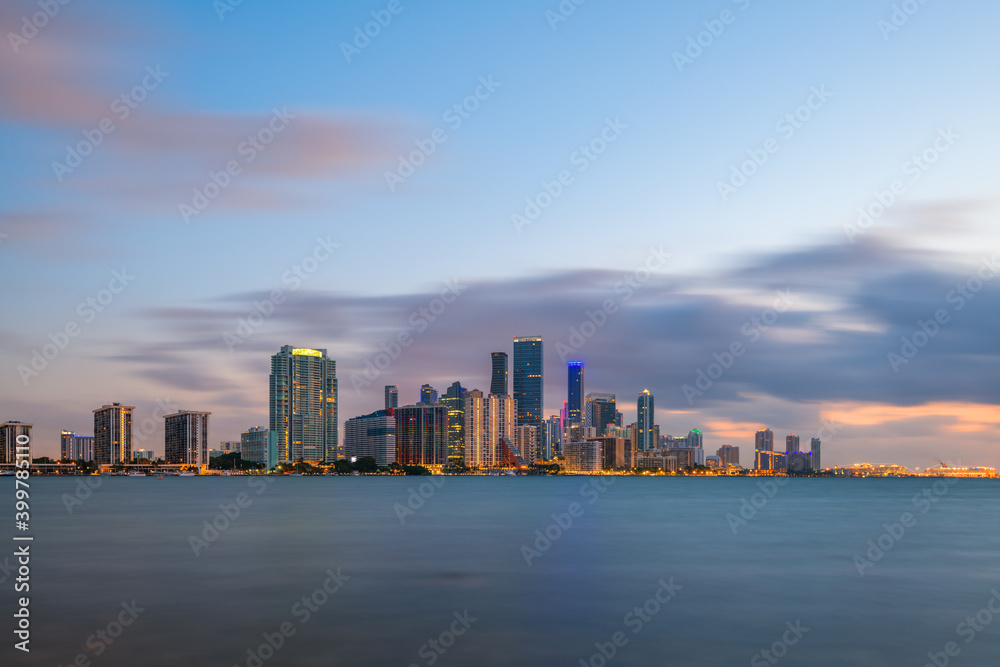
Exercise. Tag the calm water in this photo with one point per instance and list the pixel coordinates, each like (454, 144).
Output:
(403, 582)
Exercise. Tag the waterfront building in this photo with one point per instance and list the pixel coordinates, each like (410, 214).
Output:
(303, 404)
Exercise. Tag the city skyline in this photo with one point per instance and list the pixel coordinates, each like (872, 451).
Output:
(640, 208)
(314, 374)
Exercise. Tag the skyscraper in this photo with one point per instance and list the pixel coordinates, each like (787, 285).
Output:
(815, 455)
(73, 447)
(600, 411)
(421, 435)
(303, 404)
(764, 449)
(487, 420)
(454, 400)
(113, 434)
(791, 443)
(645, 435)
(574, 399)
(391, 396)
(553, 436)
(764, 440)
(728, 455)
(372, 435)
(528, 382)
(10, 432)
(185, 438)
(695, 442)
(498, 381)
(428, 395)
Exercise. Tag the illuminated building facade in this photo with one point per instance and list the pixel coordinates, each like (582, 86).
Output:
(421, 435)
(487, 420)
(303, 404)
(574, 404)
(454, 401)
(528, 380)
(647, 438)
(601, 412)
(73, 447)
(113, 434)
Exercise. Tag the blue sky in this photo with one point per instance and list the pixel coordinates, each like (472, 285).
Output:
(681, 130)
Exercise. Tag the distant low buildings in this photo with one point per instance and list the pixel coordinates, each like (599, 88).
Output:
(728, 455)
(73, 447)
(651, 461)
(584, 456)
(260, 445)
(372, 435)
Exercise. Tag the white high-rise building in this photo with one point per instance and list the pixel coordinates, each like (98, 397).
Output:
(487, 420)
(303, 404)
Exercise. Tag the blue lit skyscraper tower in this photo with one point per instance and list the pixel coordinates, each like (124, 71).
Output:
(574, 405)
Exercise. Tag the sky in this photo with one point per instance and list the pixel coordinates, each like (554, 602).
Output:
(767, 214)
